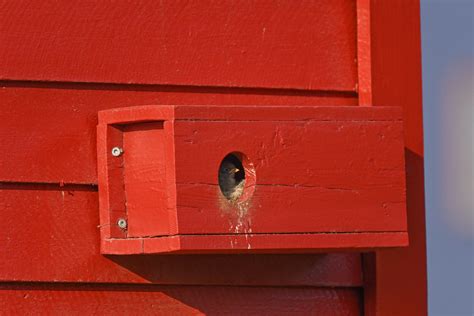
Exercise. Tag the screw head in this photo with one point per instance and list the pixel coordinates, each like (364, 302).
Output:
(122, 223)
(117, 151)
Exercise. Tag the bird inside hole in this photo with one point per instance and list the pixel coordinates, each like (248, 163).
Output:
(231, 177)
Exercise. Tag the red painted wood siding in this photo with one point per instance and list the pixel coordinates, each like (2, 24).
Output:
(63, 61)
(56, 227)
(173, 300)
(396, 79)
(307, 45)
(57, 122)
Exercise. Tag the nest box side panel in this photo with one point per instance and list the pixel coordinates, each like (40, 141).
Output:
(310, 176)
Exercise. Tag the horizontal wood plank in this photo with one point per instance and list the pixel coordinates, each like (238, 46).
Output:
(59, 299)
(49, 131)
(302, 45)
(344, 154)
(51, 234)
(302, 210)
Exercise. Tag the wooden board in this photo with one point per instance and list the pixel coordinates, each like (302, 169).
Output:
(309, 45)
(51, 233)
(49, 131)
(21, 298)
(392, 42)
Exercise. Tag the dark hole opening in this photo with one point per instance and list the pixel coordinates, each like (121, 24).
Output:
(231, 177)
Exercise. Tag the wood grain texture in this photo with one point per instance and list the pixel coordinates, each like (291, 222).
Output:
(396, 79)
(49, 131)
(309, 45)
(21, 298)
(56, 228)
(285, 209)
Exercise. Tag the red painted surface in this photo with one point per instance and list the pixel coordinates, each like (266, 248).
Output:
(66, 248)
(57, 122)
(364, 53)
(145, 179)
(318, 170)
(172, 300)
(310, 45)
(396, 80)
(313, 53)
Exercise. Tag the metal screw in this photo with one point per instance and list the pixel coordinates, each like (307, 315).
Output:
(117, 151)
(122, 223)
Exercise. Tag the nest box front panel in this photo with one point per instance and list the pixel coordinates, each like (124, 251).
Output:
(231, 178)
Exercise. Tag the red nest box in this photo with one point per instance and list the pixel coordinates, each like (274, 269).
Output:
(305, 179)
